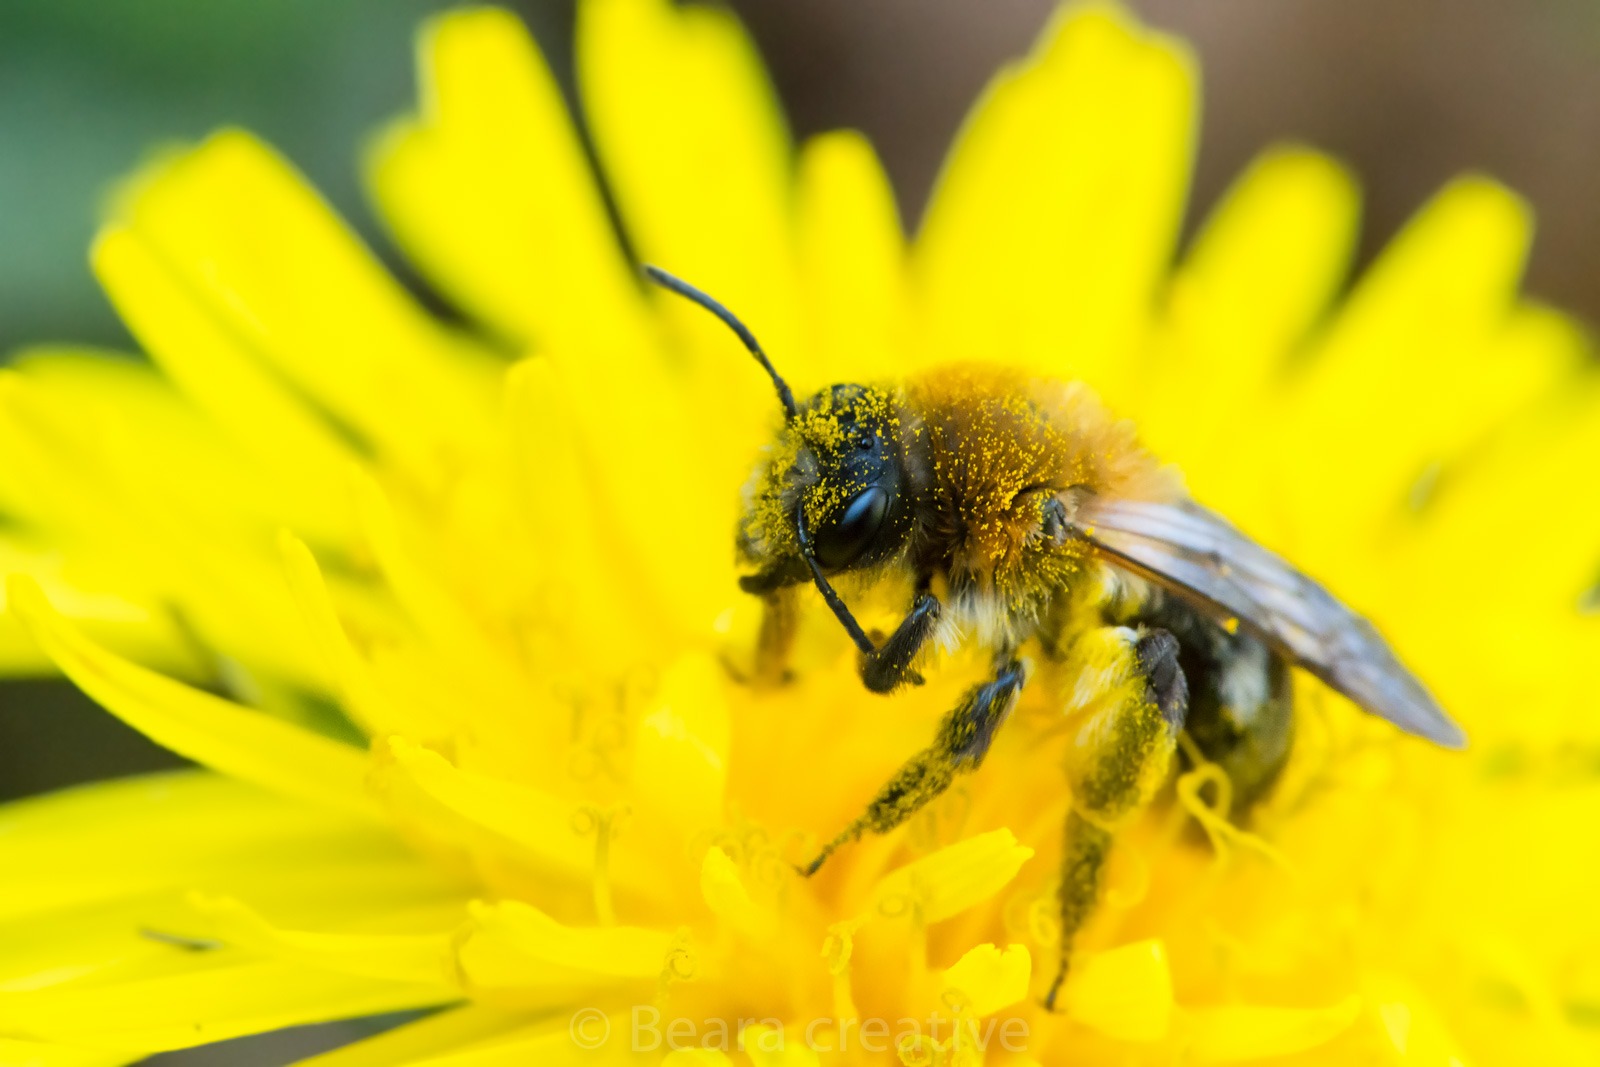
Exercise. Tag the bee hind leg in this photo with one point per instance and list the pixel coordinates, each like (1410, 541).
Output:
(1136, 702)
(959, 747)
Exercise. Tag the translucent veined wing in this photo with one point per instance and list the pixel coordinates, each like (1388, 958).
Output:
(1200, 557)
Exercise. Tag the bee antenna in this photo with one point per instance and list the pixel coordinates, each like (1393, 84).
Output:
(790, 410)
(689, 292)
(835, 603)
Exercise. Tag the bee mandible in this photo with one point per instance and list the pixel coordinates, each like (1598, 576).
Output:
(1023, 514)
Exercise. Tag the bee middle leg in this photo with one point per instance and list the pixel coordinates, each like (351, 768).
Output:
(1136, 697)
(958, 748)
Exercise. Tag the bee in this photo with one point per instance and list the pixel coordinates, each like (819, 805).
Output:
(1026, 517)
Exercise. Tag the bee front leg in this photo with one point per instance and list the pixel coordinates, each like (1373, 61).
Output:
(1136, 697)
(889, 667)
(778, 620)
(958, 748)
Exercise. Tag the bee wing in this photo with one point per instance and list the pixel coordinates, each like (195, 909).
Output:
(1199, 556)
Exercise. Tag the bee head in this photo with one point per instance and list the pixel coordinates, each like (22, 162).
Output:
(833, 495)
(833, 486)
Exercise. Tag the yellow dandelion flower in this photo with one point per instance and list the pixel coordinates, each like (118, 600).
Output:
(450, 618)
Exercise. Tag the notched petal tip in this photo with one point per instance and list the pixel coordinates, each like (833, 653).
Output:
(987, 979)
(952, 879)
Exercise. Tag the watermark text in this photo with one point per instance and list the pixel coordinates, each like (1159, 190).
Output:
(643, 1029)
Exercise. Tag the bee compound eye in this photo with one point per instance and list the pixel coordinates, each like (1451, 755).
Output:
(842, 543)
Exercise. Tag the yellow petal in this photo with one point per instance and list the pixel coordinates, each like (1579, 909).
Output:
(1410, 1024)
(767, 1046)
(493, 191)
(379, 712)
(693, 143)
(538, 822)
(952, 879)
(417, 958)
(1125, 992)
(1237, 1033)
(1267, 262)
(207, 729)
(294, 284)
(725, 894)
(1261, 273)
(492, 194)
(144, 928)
(160, 515)
(177, 450)
(70, 858)
(479, 675)
(578, 449)
(217, 997)
(1426, 322)
(50, 947)
(1546, 454)
(696, 1057)
(126, 620)
(150, 934)
(35, 1054)
(1058, 208)
(1461, 255)
(681, 755)
(568, 531)
(216, 369)
(852, 261)
(984, 979)
(514, 946)
(563, 1042)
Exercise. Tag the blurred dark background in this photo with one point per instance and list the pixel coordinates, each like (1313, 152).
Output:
(1409, 92)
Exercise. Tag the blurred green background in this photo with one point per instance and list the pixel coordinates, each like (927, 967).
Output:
(1409, 92)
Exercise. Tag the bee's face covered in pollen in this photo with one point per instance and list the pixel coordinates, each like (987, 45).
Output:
(838, 467)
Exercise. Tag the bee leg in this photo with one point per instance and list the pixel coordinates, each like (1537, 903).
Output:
(1118, 760)
(776, 638)
(1241, 714)
(958, 748)
(889, 667)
